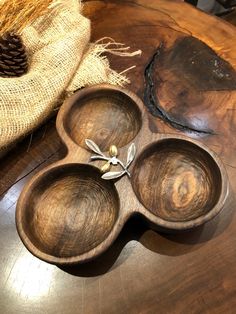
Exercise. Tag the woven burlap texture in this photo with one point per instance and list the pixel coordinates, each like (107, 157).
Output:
(62, 60)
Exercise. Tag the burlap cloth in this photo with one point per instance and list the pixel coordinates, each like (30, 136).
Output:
(62, 60)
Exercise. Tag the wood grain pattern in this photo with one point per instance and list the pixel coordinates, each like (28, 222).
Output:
(143, 271)
(70, 211)
(202, 72)
(107, 119)
(74, 215)
(176, 181)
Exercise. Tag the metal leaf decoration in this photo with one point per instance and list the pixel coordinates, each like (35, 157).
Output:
(94, 147)
(113, 175)
(112, 159)
(101, 157)
(131, 154)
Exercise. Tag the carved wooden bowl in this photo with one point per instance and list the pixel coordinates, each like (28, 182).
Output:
(68, 213)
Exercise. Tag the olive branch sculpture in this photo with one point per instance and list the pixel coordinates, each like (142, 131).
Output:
(112, 160)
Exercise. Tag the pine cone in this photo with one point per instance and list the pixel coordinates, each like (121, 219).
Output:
(13, 57)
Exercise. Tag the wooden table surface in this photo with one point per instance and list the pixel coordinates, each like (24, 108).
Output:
(144, 271)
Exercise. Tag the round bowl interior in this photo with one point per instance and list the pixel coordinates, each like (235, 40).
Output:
(69, 211)
(177, 180)
(106, 116)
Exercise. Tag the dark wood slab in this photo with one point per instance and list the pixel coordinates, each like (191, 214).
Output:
(144, 271)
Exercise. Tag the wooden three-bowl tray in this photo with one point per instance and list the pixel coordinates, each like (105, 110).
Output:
(68, 213)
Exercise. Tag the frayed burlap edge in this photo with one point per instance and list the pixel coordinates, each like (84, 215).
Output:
(92, 68)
